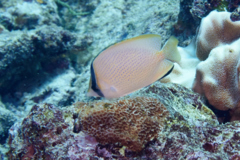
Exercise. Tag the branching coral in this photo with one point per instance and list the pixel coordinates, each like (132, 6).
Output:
(131, 122)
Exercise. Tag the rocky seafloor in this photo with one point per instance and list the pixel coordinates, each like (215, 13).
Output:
(46, 47)
(165, 121)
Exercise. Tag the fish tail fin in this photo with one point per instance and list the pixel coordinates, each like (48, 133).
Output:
(170, 50)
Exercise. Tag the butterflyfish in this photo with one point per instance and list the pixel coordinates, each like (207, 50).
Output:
(131, 64)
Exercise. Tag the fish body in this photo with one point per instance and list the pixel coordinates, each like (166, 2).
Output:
(130, 65)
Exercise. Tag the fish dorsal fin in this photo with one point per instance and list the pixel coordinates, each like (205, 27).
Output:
(170, 50)
(149, 41)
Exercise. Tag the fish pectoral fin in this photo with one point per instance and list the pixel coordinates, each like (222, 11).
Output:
(92, 93)
(107, 87)
(113, 89)
(170, 50)
(164, 69)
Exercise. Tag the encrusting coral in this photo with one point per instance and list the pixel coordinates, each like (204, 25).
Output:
(131, 122)
(216, 29)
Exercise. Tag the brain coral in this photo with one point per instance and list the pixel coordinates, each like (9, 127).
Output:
(216, 29)
(131, 122)
(218, 77)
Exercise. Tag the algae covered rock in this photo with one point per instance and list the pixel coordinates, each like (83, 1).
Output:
(180, 100)
(184, 129)
(7, 119)
(28, 54)
(28, 14)
(47, 133)
(162, 121)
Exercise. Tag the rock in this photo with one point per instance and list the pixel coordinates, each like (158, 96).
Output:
(22, 54)
(47, 132)
(7, 119)
(18, 15)
(190, 131)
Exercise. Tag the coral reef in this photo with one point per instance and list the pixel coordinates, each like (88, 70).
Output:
(54, 60)
(184, 17)
(64, 4)
(218, 77)
(130, 122)
(235, 15)
(185, 102)
(38, 48)
(190, 131)
(201, 8)
(216, 29)
(44, 63)
(192, 11)
(219, 5)
(7, 119)
(113, 21)
(17, 15)
(47, 133)
(215, 64)
(223, 5)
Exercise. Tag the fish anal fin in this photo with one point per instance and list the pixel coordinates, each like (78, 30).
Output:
(165, 68)
(168, 72)
(92, 93)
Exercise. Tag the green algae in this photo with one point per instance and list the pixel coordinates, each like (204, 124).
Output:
(48, 114)
(223, 6)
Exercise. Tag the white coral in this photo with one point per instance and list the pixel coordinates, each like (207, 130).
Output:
(215, 61)
(218, 76)
(216, 29)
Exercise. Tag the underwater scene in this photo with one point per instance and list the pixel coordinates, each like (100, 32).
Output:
(119, 79)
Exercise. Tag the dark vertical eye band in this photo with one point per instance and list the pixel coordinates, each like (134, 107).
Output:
(95, 87)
